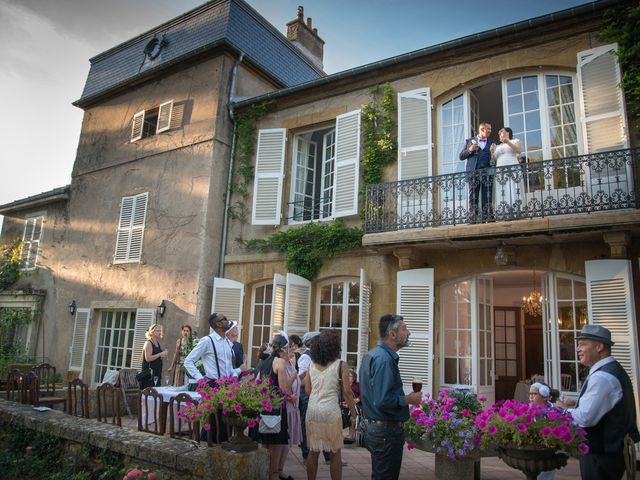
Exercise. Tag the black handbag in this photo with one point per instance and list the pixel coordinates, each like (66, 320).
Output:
(145, 378)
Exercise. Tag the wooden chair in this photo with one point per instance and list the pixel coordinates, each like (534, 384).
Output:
(109, 396)
(176, 422)
(30, 388)
(565, 380)
(78, 398)
(128, 385)
(47, 386)
(15, 378)
(151, 412)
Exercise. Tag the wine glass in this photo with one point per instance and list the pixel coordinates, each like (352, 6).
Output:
(416, 384)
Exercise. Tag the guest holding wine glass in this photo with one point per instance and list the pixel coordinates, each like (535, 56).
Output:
(153, 354)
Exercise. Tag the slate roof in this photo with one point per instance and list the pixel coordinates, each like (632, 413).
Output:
(230, 23)
(55, 195)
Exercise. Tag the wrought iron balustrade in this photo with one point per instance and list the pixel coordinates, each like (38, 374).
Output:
(563, 186)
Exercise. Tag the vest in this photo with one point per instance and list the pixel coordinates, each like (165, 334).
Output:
(607, 436)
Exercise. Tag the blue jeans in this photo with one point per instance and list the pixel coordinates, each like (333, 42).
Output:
(385, 444)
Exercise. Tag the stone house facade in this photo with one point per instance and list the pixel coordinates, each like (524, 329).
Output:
(141, 224)
(563, 222)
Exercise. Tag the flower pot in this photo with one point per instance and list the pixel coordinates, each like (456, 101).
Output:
(532, 460)
(238, 442)
(460, 468)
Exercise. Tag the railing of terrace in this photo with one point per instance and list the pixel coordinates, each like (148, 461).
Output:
(563, 186)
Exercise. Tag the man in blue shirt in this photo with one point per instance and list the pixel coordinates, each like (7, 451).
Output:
(385, 405)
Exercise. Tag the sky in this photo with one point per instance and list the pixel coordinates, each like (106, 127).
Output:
(45, 47)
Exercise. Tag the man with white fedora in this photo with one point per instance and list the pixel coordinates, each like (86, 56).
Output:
(605, 408)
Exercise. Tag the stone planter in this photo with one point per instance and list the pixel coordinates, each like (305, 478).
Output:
(460, 468)
(532, 460)
(238, 442)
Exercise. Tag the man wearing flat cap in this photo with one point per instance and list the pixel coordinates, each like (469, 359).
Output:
(605, 408)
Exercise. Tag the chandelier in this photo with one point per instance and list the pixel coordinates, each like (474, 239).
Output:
(532, 304)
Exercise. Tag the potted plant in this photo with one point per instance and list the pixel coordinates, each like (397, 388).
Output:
(531, 437)
(240, 400)
(445, 425)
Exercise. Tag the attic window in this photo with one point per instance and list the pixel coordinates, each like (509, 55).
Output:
(151, 122)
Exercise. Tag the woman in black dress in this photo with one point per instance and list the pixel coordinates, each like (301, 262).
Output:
(153, 355)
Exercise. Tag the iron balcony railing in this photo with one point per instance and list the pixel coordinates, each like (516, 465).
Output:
(563, 186)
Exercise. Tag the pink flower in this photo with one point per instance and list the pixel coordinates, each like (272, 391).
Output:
(135, 473)
(584, 448)
(410, 446)
(492, 430)
(268, 408)
(252, 423)
(482, 398)
(237, 408)
(28, 449)
(521, 427)
(230, 395)
(207, 426)
(225, 410)
(546, 431)
(152, 476)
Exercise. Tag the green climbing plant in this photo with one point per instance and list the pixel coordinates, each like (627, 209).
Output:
(622, 25)
(10, 263)
(246, 132)
(379, 144)
(306, 246)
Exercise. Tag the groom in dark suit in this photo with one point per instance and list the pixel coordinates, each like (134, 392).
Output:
(477, 152)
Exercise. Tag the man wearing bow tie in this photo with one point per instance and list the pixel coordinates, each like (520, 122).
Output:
(477, 152)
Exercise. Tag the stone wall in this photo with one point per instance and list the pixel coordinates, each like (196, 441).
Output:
(169, 458)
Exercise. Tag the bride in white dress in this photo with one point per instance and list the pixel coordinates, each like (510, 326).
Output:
(508, 192)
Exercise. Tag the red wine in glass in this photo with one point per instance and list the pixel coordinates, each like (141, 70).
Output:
(417, 384)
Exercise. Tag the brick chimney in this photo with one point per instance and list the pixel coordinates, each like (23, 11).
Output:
(306, 38)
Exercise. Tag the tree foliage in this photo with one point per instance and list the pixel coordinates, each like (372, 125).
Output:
(9, 264)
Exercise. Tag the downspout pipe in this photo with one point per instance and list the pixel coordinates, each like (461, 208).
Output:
(227, 200)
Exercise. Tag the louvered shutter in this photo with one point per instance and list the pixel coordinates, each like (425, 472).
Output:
(78, 346)
(415, 304)
(31, 242)
(136, 126)
(130, 236)
(610, 298)
(228, 296)
(347, 173)
(297, 305)
(604, 122)
(145, 317)
(267, 188)
(277, 304)
(363, 319)
(164, 116)
(414, 134)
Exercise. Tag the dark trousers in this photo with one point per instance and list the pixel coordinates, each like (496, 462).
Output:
(385, 444)
(602, 466)
(213, 428)
(481, 194)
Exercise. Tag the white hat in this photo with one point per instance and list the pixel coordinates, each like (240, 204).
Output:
(232, 325)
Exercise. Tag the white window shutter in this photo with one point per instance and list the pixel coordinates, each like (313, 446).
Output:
(297, 305)
(414, 134)
(363, 320)
(277, 304)
(415, 304)
(610, 300)
(130, 236)
(136, 126)
(78, 346)
(604, 121)
(31, 242)
(145, 317)
(267, 188)
(164, 116)
(228, 299)
(347, 172)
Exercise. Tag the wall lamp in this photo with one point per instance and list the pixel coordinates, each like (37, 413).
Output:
(162, 308)
(72, 307)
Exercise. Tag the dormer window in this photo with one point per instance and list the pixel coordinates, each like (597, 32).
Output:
(151, 122)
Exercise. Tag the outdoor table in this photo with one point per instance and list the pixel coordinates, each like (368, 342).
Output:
(167, 393)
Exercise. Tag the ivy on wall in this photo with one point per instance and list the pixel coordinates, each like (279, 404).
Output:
(380, 145)
(246, 135)
(308, 245)
(622, 25)
(9, 264)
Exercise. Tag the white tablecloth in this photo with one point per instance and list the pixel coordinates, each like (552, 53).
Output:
(167, 393)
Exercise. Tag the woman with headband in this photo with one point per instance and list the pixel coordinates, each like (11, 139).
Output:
(541, 393)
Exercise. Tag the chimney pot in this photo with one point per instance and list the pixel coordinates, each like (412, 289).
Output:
(309, 23)
(315, 32)
(300, 12)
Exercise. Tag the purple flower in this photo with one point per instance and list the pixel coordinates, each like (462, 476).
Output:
(521, 427)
